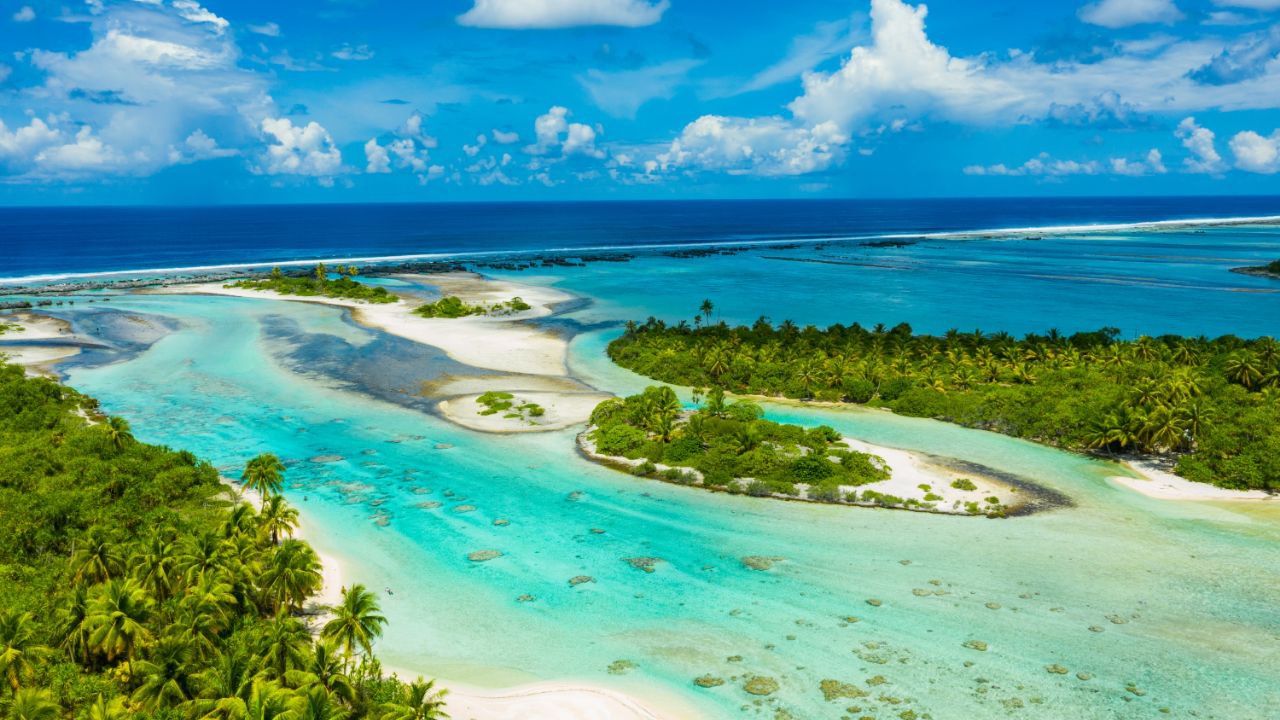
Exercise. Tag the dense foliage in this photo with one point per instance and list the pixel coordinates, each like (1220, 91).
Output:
(453, 307)
(131, 589)
(320, 283)
(1212, 404)
(729, 446)
(1273, 267)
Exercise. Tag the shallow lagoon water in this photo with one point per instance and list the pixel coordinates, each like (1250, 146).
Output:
(1183, 593)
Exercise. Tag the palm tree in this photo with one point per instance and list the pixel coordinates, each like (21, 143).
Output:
(118, 432)
(267, 701)
(419, 700)
(356, 623)
(277, 518)
(316, 704)
(705, 308)
(18, 648)
(153, 565)
(226, 687)
(325, 670)
(117, 621)
(1243, 368)
(283, 645)
(31, 704)
(292, 575)
(102, 709)
(166, 678)
(265, 474)
(73, 626)
(96, 559)
(322, 273)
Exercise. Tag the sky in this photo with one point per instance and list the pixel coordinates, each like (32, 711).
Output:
(232, 101)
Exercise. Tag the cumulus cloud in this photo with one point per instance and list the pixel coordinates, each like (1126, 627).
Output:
(152, 76)
(1247, 57)
(376, 157)
(1123, 13)
(299, 150)
(1047, 166)
(24, 14)
(762, 146)
(1250, 4)
(548, 14)
(473, 150)
(1199, 141)
(407, 148)
(556, 135)
(622, 93)
(505, 138)
(1257, 153)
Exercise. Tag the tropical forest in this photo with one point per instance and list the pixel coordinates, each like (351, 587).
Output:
(1208, 406)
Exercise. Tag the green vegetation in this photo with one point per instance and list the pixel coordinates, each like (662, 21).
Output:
(454, 307)
(729, 447)
(131, 589)
(320, 284)
(504, 402)
(1273, 267)
(8, 327)
(1214, 404)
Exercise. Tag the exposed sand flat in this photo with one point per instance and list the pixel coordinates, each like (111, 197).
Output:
(562, 410)
(37, 357)
(909, 470)
(1158, 483)
(35, 327)
(492, 343)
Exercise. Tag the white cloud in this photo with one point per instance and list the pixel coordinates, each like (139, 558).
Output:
(1153, 164)
(505, 138)
(547, 14)
(23, 142)
(299, 150)
(1046, 166)
(269, 29)
(555, 134)
(1123, 13)
(153, 77)
(1256, 153)
(762, 146)
(350, 52)
(24, 14)
(192, 11)
(473, 150)
(1199, 142)
(377, 158)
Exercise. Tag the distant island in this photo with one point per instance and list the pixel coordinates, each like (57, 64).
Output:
(319, 284)
(1270, 270)
(452, 306)
(1209, 406)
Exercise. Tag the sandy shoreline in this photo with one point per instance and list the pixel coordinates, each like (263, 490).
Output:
(492, 343)
(33, 328)
(1161, 484)
(549, 700)
(562, 410)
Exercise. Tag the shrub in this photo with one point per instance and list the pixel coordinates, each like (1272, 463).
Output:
(963, 484)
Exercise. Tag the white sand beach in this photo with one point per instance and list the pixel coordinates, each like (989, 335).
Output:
(909, 470)
(492, 343)
(32, 327)
(1160, 483)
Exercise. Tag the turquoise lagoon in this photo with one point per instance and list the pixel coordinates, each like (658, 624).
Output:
(1160, 605)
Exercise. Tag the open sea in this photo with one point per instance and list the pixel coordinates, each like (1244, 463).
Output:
(1155, 608)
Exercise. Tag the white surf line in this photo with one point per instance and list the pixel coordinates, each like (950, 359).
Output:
(378, 259)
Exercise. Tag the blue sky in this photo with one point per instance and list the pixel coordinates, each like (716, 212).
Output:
(175, 101)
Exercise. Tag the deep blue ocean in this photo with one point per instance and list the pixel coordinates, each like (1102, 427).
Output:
(50, 241)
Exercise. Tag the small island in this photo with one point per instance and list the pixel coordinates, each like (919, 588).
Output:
(1270, 270)
(729, 447)
(319, 283)
(452, 306)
